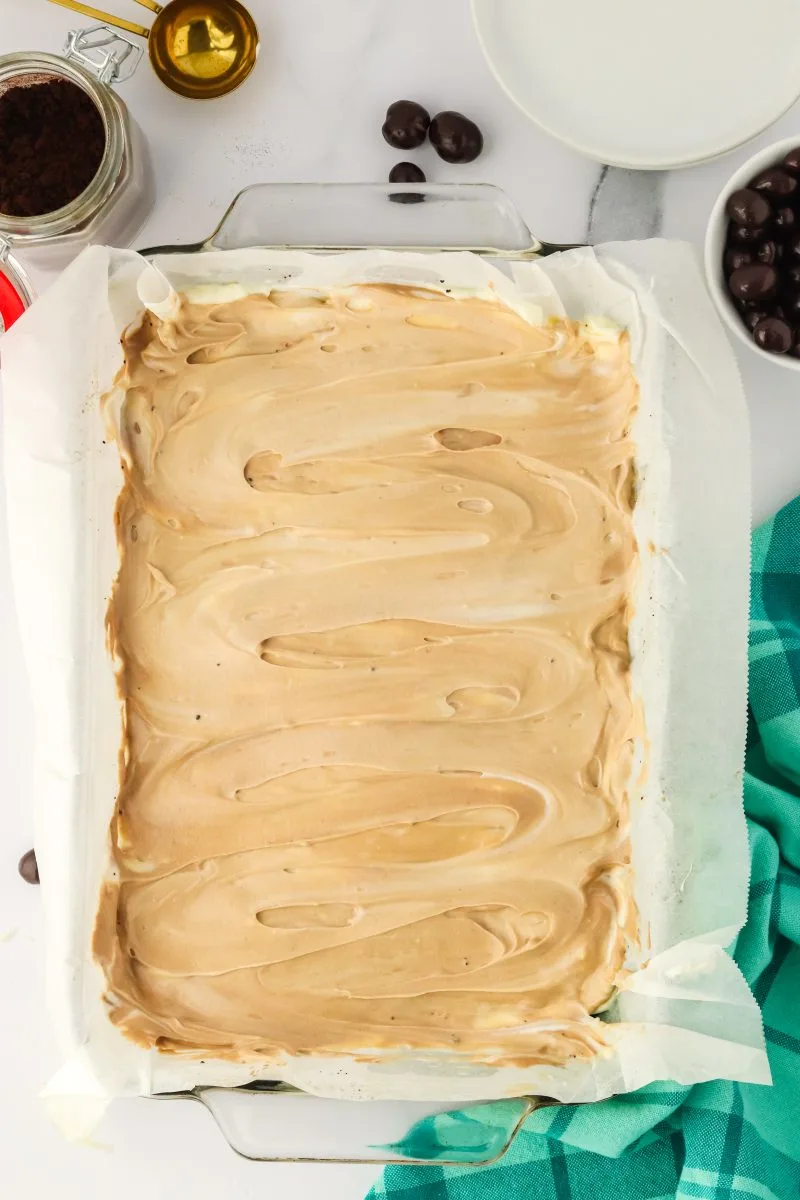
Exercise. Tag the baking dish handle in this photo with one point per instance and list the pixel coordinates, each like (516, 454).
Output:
(351, 216)
(277, 1123)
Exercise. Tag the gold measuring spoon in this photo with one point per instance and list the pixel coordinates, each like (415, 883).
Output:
(198, 48)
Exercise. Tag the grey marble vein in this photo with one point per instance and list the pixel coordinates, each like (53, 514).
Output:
(625, 205)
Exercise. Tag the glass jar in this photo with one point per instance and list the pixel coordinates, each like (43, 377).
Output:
(115, 205)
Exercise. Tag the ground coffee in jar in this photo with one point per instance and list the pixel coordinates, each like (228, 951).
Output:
(52, 141)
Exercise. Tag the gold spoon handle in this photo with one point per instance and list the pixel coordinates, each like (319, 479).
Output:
(108, 18)
(151, 4)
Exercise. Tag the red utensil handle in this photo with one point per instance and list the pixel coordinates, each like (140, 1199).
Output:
(12, 306)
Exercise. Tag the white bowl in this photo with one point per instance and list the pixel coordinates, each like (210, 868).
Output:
(716, 234)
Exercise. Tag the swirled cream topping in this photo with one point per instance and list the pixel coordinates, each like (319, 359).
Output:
(371, 615)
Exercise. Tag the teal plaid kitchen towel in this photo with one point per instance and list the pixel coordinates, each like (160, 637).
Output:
(715, 1141)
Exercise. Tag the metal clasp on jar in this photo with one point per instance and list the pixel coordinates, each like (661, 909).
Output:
(109, 56)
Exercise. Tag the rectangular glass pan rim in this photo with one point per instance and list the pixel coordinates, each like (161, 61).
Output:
(333, 217)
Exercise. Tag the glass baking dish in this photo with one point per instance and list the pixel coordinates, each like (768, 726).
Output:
(272, 1121)
(477, 217)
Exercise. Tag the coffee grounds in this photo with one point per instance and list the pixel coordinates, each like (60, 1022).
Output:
(52, 140)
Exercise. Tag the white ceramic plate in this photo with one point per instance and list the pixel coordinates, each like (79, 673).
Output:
(646, 83)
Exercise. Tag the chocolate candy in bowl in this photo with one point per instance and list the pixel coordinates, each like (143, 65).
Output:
(752, 316)
(749, 208)
(456, 138)
(737, 256)
(790, 309)
(791, 161)
(753, 253)
(406, 124)
(769, 252)
(784, 221)
(756, 281)
(773, 334)
(406, 172)
(746, 235)
(790, 278)
(775, 183)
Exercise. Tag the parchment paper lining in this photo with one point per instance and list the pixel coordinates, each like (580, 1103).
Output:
(686, 1013)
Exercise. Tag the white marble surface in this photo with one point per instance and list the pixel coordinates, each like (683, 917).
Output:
(312, 111)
